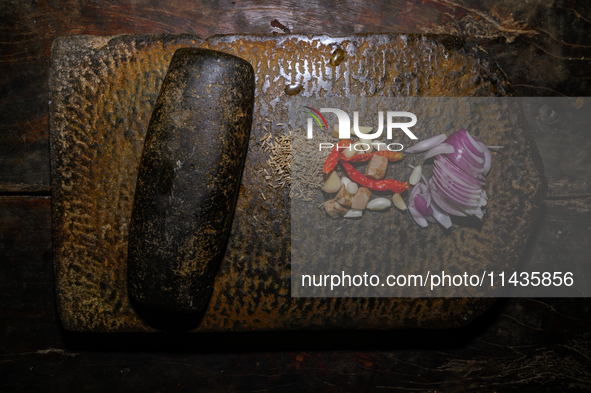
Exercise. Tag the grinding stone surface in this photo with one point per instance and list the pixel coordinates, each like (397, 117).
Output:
(102, 90)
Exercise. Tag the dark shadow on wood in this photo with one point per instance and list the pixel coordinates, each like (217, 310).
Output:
(166, 320)
(287, 341)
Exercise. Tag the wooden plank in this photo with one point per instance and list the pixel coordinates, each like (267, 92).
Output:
(27, 299)
(536, 345)
(543, 48)
(520, 345)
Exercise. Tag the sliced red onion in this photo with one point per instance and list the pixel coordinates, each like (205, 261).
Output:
(426, 144)
(421, 206)
(420, 213)
(425, 193)
(442, 148)
(442, 217)
(483, 200)
(465, 153)
(465, 198)
(470, 200)
(473, 142)
(487, 160)
(456, 187)
(446, 167)
(446, 206)
(415, 190)
(419, 219)
(446, 178)
(476, 212)
(478, 159)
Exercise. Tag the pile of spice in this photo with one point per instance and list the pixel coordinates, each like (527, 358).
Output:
(279, 149)
(308, 178)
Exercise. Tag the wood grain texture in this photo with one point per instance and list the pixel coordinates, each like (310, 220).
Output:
(27, 289)
(534, 345)
(521, 345)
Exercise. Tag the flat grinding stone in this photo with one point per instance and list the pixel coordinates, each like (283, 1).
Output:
(102, 91)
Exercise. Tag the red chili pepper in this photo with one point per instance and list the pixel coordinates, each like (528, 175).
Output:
(376, 185)
(390, 155)
(333, 158)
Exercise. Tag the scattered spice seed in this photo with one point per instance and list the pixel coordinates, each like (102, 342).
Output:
(305, 183)
(280, 159)
(308, 178)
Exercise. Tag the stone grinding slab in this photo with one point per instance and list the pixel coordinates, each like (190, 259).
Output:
(102, 91)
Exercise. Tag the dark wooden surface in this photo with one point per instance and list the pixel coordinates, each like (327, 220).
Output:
(536, 345)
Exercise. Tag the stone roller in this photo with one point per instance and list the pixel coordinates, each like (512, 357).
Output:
(188, 179)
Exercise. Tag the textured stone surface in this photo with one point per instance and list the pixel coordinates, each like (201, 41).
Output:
(390, 242)
(188, 179)
(102, 92)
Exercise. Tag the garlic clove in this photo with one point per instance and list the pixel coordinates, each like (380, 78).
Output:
(398, 201)
(332, 183)
(352, 188)
(379, 204)
(415, 176)
(349, 152)
(354, 213)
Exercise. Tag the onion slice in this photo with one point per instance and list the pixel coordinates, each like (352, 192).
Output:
(421, 206)
(457, 185)
(427, 144)
(419, 219)
(442, 217)
(442, 148)
(487, 160)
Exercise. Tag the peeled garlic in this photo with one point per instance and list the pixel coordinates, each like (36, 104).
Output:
(362, 130)
(352, 188)
(415, 176)
(354, 213)
(362, 147)
(398, 201)
(345, 181)
(335, 132)
(368, 148)
(332, 183)
(379, 204)
(349, 152)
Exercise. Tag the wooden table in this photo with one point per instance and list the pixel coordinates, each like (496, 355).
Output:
(539, 345)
